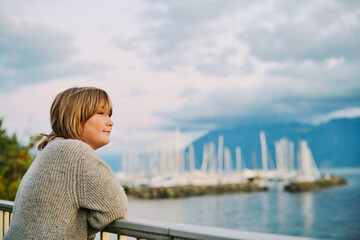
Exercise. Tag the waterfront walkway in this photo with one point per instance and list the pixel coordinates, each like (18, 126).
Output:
(149, 229)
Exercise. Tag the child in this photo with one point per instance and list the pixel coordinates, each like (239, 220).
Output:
(69, 192)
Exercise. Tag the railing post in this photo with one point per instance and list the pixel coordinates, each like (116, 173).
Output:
(6, 221)
(104, 236)
(5, 217)
(1, 225)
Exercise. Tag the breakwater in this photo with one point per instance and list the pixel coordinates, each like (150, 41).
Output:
(192, 190)
(324, 182)
(147, 192)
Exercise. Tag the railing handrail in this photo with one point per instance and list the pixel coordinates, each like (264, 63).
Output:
(151, 229)
(188, 231)
(6, 205)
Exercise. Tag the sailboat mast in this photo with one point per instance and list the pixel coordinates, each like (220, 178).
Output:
(264, 152)
(220, 153)
(238, 159)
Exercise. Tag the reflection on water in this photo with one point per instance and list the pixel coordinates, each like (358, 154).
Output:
(265, 210)
(332, 213)
(282, 214)
(307, 211)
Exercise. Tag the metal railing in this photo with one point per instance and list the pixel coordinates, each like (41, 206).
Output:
(149, 229)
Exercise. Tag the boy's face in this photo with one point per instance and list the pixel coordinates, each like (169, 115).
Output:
(96, 130)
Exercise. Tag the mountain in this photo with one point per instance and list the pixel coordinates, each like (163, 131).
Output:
(333, 144)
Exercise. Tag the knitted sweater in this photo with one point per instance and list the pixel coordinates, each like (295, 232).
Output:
(67, 193)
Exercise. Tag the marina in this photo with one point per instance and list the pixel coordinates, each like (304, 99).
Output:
(173, 167)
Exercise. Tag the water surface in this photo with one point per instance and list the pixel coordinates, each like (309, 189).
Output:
(332, 213)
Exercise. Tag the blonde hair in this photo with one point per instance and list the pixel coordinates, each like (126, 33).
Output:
(71, 109)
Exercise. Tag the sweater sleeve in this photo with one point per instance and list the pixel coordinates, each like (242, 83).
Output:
(100, 193)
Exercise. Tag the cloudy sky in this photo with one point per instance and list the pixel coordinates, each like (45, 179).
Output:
(197, 65)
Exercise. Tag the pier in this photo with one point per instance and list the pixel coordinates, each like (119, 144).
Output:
(150, 229)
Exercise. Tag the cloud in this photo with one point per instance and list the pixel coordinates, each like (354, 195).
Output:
(209, 35)
(217, 64)
(35, 53)
(198, 65)
(342, 113)
(336, 73)
(279, 101)
(188, 92)
(186, 34)
(25, 46)
(281, 61)
(303, 31)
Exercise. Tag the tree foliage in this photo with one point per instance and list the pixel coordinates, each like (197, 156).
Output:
(15, 159)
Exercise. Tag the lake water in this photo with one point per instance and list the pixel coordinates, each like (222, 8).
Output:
(327, 214)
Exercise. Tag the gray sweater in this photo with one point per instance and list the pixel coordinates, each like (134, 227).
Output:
(67, 193)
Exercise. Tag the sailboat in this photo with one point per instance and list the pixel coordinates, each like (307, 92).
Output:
(307, 169)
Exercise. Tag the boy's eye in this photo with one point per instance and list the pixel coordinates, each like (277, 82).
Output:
(101, 113)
